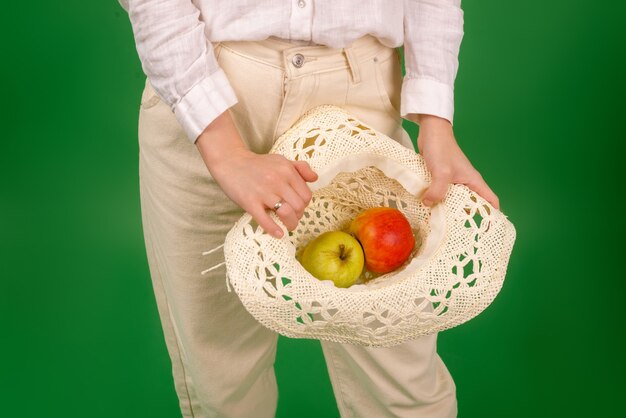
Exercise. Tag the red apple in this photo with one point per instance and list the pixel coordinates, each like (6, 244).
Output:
(386, 237)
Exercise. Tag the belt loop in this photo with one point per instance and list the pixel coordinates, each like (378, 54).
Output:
(353, 63)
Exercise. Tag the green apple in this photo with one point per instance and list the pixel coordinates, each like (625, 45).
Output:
(336, 256)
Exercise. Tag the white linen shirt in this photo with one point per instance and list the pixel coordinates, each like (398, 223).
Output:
(173, 40)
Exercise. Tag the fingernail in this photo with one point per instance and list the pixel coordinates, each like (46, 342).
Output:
(278, 233)
(427, 202)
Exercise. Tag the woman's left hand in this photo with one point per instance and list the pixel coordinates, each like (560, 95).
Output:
(446, 162)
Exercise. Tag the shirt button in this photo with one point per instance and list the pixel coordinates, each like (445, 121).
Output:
(298, 60)
(301, 4)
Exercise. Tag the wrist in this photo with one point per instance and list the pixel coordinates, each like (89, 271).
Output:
(434, 129)
(432, 123)
(220, 139)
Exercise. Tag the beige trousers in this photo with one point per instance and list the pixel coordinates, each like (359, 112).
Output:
(223, 359)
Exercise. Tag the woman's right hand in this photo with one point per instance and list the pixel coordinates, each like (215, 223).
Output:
(255, 182)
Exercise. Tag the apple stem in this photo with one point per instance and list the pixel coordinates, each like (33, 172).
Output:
(342, 252)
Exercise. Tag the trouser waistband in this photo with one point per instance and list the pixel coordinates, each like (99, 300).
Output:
(299, 61)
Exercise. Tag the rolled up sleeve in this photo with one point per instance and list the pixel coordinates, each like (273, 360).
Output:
(179, 61)
(433, 30)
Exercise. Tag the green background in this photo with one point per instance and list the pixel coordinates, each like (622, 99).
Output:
(539, 111)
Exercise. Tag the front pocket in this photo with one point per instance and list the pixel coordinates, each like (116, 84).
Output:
(389, 82)
(149, 97)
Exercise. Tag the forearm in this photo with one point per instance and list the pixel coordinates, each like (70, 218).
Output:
(180, 62)
(433, 30)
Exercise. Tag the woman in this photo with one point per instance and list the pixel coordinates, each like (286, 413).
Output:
(225, 79)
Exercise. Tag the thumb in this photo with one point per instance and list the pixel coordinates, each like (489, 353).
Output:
(305, 171)
(437, 190)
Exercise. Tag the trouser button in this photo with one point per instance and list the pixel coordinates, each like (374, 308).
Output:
(298, 60)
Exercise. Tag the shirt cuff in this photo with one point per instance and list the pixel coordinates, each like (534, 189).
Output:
(203, 103)
(426, 96)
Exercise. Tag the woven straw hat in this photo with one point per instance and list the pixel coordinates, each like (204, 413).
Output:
(452, 276)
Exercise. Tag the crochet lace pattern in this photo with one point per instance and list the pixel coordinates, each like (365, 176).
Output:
(454, 274)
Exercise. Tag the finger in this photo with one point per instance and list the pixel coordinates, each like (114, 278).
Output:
(288, 216)
(305, 170)
(293, 199)
(303, 191)
(479, 185)
(266, 222)
(271, 201)
(437, 189)
(285, 212)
